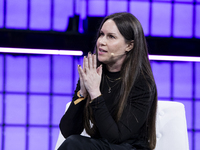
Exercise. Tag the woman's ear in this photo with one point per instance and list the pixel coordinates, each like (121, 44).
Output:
(130, 46)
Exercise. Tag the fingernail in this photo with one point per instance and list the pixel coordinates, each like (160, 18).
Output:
(79, 65)
(89, 52)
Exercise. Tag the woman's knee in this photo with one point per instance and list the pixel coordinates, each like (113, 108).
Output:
(71, 143)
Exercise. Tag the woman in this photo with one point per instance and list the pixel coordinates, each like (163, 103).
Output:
(116, 98)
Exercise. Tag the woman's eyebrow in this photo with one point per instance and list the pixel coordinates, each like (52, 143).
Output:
(109, 33)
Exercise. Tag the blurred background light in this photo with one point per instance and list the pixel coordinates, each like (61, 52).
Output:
(41, 51)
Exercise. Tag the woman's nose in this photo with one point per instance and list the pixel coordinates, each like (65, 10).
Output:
(102, 40)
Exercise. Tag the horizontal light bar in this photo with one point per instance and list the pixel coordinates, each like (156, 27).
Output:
(174, 58)
(41, 51)
(80, 53)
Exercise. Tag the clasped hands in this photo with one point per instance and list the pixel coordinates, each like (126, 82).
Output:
(90, 76)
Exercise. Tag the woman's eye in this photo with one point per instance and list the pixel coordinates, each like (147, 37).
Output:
(101, 33)
(111, 36)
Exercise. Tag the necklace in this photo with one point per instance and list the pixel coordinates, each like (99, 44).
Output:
(110, 88)
(112, 80)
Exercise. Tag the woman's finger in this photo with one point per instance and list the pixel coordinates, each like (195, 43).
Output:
(94, 61)
(86, 64)
(99, 70)
(90, 64)
(82, 73)
(80, 76)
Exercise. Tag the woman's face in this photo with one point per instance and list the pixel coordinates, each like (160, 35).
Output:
(111, 45)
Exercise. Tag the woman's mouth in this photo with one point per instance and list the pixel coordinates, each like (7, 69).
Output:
(102, 50)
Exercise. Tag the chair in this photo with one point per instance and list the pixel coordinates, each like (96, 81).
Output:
(171, 128)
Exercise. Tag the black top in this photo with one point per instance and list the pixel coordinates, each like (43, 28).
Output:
(131, 128)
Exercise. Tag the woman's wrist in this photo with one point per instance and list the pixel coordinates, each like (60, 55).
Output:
(94, 95)
(80, 98)
(82, 94)
(94, 98)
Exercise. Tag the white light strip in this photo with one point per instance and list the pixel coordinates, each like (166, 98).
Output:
(41, 51)
(80, 53)
(174, 58)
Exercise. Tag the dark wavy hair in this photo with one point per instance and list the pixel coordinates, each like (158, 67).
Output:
(135, 63)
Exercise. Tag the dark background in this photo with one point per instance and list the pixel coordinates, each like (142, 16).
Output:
(86, 41)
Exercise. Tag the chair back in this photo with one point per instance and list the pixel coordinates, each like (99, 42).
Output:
(171, 127)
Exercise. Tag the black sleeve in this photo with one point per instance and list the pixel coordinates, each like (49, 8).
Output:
(133, 117)
(72, 120)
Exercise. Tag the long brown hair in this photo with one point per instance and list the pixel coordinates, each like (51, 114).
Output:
(136, 63)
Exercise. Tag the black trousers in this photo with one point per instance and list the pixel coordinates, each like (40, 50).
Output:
(78, 142)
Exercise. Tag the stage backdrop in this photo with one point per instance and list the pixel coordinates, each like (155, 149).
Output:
(34, 90)
(165, 18)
